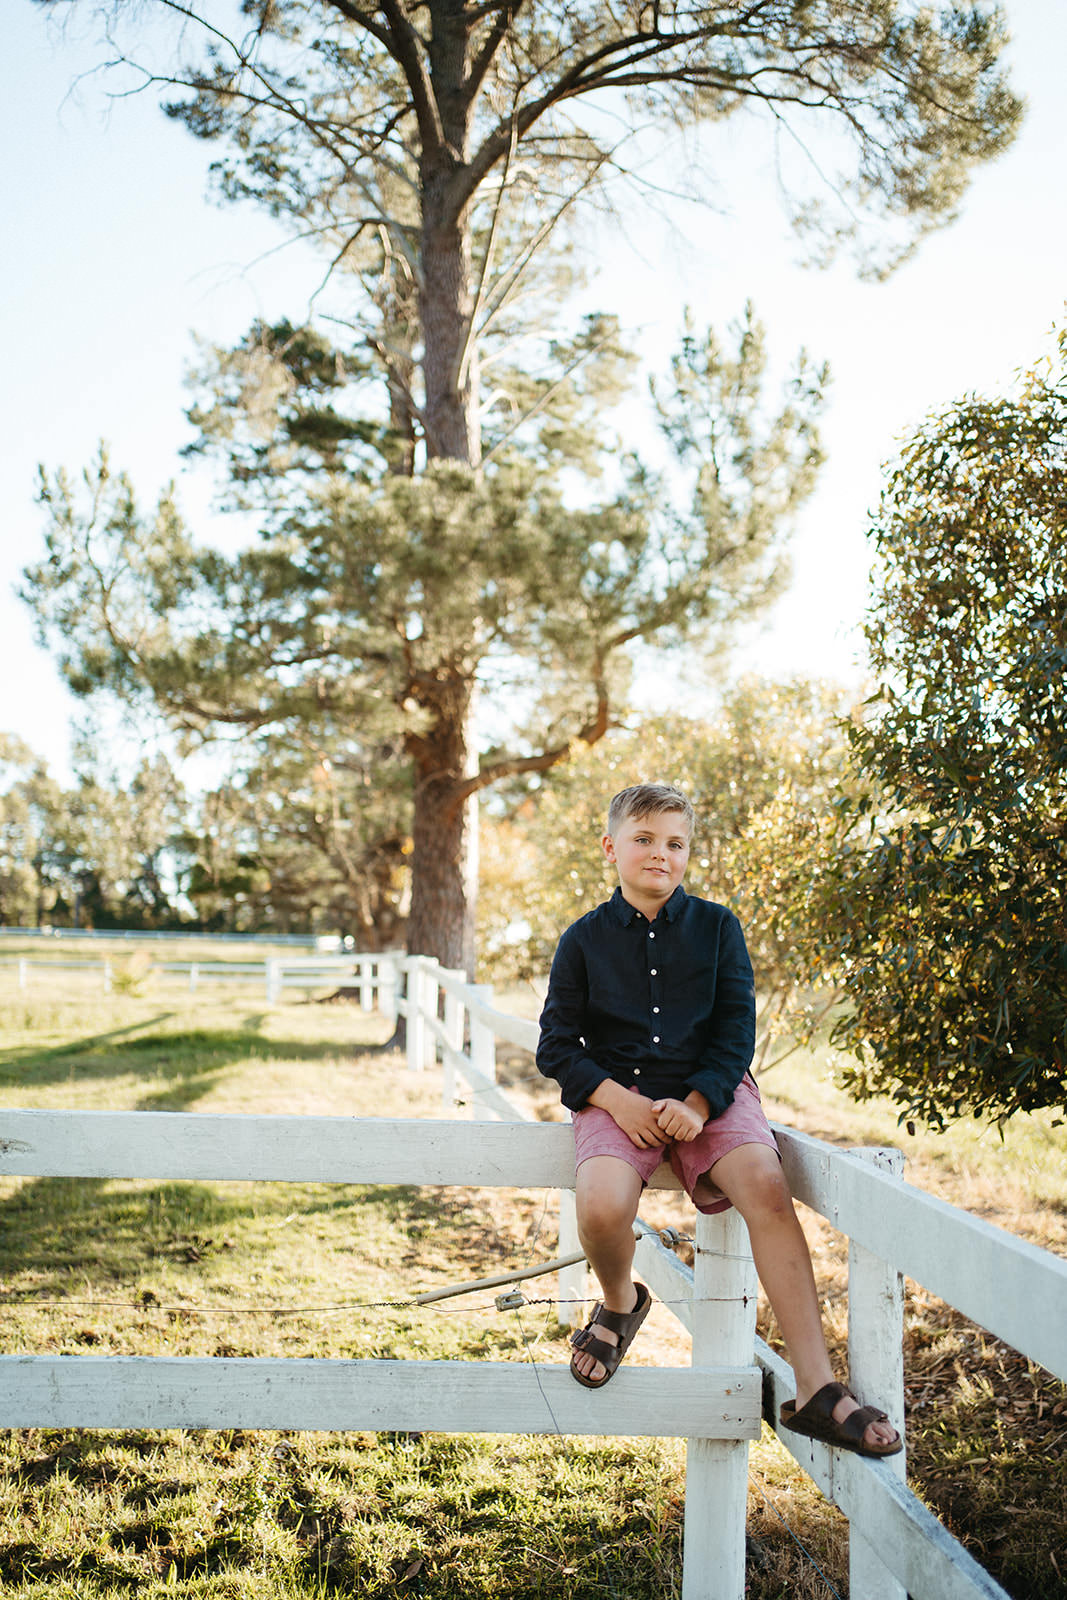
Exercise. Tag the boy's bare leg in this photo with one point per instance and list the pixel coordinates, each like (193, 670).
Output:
(607, 1193)
(751, 1177)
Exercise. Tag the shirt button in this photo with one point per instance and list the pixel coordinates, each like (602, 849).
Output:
(655, 1011)
(651, 935)
(653, 973)
(637, 1072)
(655, 1038)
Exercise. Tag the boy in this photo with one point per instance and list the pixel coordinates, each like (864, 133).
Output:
(649, 1027)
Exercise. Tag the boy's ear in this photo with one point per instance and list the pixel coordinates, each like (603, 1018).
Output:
(608, 846)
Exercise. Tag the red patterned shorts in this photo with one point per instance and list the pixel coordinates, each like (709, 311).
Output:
(596, 1133)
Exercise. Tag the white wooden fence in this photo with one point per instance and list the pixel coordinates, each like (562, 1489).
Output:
(715, 1402)
(1013, 1289)
(898, 1548)
(275, 973)
(62, 935)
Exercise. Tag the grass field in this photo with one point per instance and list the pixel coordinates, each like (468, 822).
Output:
(201, 1268)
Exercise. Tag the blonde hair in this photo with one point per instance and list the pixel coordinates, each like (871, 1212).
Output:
(648, 800)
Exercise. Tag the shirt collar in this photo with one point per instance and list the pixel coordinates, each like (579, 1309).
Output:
(625, 913)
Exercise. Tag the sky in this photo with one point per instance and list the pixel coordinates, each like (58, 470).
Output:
(115, 255)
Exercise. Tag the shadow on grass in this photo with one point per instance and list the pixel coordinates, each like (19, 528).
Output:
(68, 1233)
(188, 1059)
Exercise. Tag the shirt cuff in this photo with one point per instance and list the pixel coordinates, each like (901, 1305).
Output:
(582, 1078)
(717, 1089)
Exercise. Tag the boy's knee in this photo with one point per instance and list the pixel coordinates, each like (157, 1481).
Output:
(607, 1192)
(769, 1196)
(757, 1185)
(602, 1215)
(775, 1192)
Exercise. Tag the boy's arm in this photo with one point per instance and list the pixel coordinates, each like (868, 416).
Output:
(727, 1055)
(561, 1052)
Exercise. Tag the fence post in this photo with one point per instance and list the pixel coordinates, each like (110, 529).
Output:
(430, 994)
(273, 970)
(716, 1474)
(194, 974)
(572, 1280)
(107, 977)
(387, 984)
(876, 1371)
(416, 1022)
(366, 984)
(22, 972)
(483, 1039)
(453, 1037)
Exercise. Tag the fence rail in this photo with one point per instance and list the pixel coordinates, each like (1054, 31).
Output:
(316, 941)
(352, 1396)
(898, 1548)
(275, 973)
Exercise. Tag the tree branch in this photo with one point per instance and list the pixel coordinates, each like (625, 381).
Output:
(405, 48)
(506, 14)
(512, 766)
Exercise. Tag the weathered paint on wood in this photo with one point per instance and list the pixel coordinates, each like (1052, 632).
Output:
(198, 1145)
(331, 1395)
(670, 1281)
(519, 1031)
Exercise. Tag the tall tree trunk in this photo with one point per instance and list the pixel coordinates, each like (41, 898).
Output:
(445, 858)
(450, 406)
(445, 862)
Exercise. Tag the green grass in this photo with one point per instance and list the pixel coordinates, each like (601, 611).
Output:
(260, 1269)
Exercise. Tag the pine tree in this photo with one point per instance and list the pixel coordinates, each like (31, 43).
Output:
(436, 150)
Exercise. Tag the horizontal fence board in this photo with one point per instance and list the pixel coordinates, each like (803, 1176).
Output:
(1012, 1288)
(514, 1030)
(1015, 1290)
(198, 1145)
(212, 969)
(332, 1396)
(324, 963)
(904, 1534)
(94, 964)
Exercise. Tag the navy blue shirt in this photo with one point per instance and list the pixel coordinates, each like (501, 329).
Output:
(663, 1007)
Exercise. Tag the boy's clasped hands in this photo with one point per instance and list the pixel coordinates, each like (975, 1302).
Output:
(648, 1123)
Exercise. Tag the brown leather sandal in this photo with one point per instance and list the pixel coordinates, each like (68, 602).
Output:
(816, 1421)
(623, 1323)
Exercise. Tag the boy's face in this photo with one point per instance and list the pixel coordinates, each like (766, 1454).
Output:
(651, 854)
